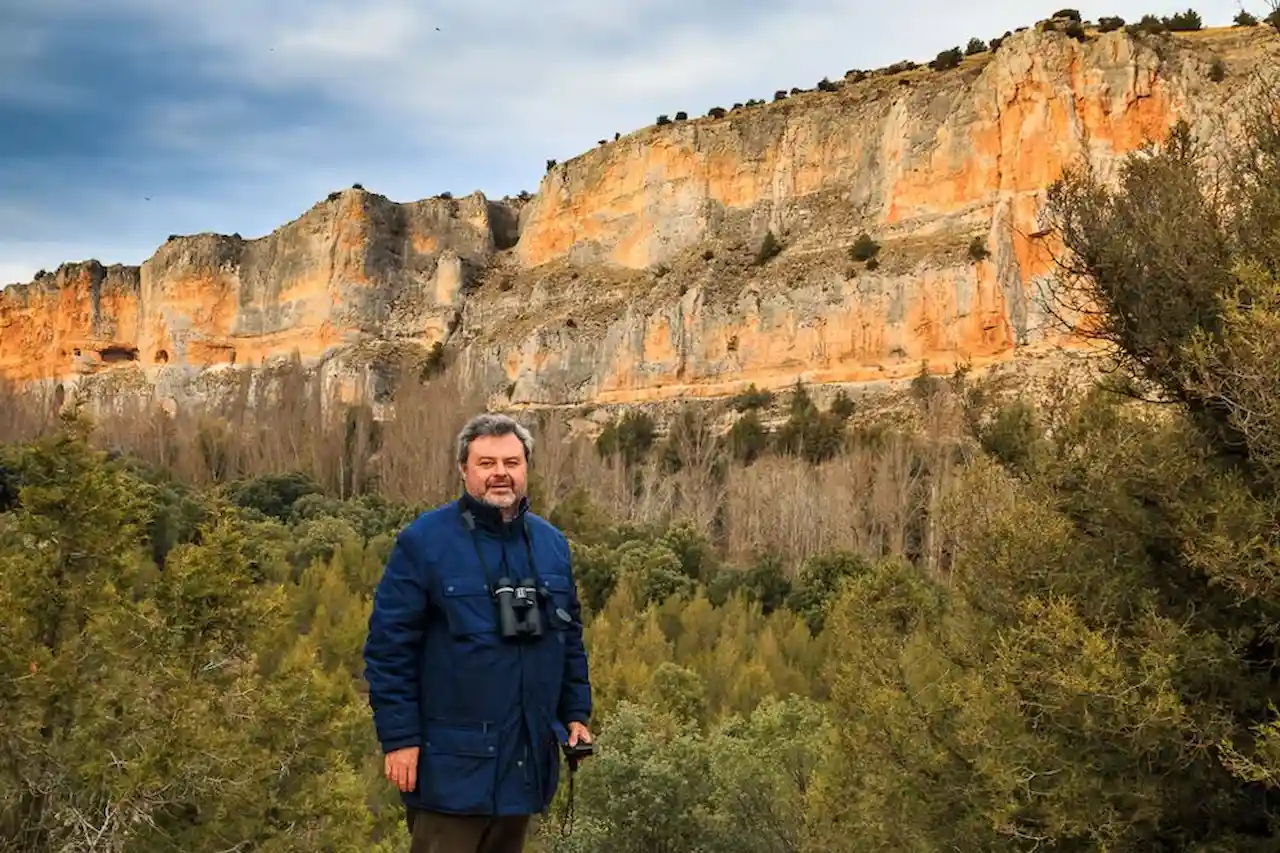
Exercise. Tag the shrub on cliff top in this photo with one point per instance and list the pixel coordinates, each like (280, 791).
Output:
(947, 59)
(682, 116)
(975, 46)
(1149, 25)
(1184, 22)
(716, 112)
(662, 119)
(1070, 14)
(1244, 19)
(1110, 23)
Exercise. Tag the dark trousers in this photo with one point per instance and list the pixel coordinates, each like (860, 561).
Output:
(432, 832)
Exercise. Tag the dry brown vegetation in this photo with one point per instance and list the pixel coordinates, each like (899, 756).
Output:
(876, 498)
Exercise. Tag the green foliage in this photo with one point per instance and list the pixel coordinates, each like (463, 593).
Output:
(808, 433)
(947, 59)
(135, 712)
(766, 583)
(748, 438)
(751, 398)
(819, 581)
(631, 437)
(1181, 22)
(864, 248)
(1110, 23)
(978, 250)
(273, 495)
(1244, 19)
(1174, 264)
(1014, 436)
(975, 46)
(1071, 648)
(841, 406)
(1149, 25)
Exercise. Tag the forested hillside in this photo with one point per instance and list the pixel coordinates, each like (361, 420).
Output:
(1010, 625)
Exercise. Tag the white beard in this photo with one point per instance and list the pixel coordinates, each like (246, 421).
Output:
(502, 501)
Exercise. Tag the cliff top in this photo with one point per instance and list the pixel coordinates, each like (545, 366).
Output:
(856, 85)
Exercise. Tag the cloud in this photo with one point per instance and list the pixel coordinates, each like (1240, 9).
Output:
(237, 115)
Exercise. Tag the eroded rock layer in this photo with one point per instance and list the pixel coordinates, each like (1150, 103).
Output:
(635, 273)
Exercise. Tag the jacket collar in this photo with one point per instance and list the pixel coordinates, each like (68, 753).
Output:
(488, 517)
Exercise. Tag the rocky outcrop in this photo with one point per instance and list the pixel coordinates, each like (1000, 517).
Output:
(637, 273)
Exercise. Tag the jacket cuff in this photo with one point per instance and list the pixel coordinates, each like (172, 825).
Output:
(401, 743)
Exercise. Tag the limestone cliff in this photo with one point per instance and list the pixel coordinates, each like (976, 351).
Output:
(635, 272)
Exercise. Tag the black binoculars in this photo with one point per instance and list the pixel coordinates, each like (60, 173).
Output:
(519, 616)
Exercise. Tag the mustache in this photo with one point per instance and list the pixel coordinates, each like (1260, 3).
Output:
(498, 482)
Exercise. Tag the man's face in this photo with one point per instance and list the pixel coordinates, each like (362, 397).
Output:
(495, 470)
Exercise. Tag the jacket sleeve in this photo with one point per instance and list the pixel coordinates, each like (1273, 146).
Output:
(575, 686)
(393, 650)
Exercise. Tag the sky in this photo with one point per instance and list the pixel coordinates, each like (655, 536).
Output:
(125, 121)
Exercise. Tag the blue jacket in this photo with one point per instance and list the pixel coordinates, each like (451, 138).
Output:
(488, 714)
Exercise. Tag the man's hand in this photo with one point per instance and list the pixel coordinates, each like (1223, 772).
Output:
(402, 767)
(578, 732)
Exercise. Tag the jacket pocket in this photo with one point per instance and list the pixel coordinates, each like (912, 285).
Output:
(469, 607)
(559, 587)
(460, 768)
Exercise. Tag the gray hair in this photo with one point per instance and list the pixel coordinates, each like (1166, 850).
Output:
(492, 424)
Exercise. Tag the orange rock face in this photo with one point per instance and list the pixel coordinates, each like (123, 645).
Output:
(354, 266)
(631, 275)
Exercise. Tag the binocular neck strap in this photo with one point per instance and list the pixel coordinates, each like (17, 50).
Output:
(469, 521)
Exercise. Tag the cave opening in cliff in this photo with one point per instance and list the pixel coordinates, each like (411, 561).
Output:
(504, 224)
(113, 355)
(162, 357)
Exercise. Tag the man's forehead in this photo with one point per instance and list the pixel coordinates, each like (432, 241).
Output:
(497, 445)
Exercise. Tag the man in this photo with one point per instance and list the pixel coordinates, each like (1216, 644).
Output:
(471, 713)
